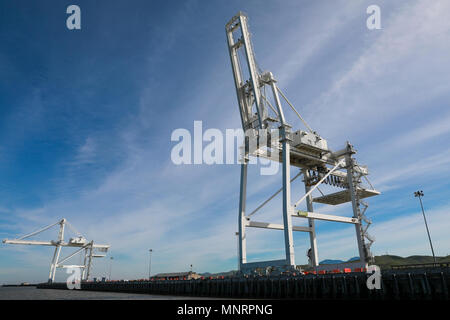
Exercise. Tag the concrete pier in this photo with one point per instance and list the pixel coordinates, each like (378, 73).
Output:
(429, 284)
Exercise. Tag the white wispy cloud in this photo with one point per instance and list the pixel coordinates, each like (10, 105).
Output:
(189, 214)
(402, 69)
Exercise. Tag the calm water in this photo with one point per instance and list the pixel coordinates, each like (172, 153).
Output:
(31, 293)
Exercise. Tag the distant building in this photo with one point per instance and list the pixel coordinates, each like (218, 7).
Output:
(177, 276)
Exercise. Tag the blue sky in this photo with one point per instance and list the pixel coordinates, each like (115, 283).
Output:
(86, 118)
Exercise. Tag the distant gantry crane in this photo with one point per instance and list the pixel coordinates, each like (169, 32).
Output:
(79, 242)
(305, 150)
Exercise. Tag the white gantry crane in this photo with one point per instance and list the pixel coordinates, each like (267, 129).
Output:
(79, 242)
(263, 120)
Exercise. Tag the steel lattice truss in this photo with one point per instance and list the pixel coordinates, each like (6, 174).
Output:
(305, 150)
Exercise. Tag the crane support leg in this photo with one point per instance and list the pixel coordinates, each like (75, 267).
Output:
(57, 251)
(51, 276)
(287, 207)
(85, 265)
(312, 233)
(89, 261)
(242, 222)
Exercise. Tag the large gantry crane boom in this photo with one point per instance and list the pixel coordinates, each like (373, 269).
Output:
(306, 150)
(79, 242)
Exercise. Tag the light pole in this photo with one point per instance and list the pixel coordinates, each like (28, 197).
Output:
(110, 267)
(150, 264)
(419, 194)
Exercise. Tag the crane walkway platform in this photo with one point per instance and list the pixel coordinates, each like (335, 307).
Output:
(344, 196)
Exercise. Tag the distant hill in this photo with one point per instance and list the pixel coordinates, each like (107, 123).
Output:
(353, 259)
(331, 261)
(387, 261)
(225, 274)
(384, 262)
